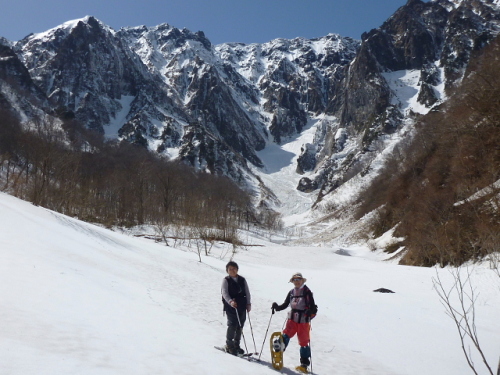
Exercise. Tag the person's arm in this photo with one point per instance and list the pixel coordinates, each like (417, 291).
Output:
(249, 297)
(284, 305)
(225, 291)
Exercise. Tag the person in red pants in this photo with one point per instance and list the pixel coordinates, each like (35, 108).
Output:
(301, 300)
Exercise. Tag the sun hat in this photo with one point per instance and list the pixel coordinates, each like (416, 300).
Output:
(297, 275)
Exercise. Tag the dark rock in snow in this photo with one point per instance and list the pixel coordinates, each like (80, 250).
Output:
(307, 185)
(306, 162)
(383, 290)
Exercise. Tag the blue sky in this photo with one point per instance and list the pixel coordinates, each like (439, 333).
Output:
(247, 21)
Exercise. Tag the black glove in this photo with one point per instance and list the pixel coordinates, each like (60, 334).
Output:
(275, 306)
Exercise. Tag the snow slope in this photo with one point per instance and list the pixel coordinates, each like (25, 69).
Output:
(79, 299)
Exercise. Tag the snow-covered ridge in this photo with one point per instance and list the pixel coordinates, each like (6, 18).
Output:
(451, 5)
(165, 49)
(253, 60)
(66, 28)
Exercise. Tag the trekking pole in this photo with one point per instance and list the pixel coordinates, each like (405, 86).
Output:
(265, 336)
(284, 323)
(310, 346)
(251, 330)
(241, 327)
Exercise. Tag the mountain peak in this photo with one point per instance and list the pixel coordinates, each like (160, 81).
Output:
(67, 27)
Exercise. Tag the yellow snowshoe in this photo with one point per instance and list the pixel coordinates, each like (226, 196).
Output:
(277, 347)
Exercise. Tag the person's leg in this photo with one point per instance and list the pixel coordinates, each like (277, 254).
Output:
(239, 330)
(305, 355)
(289, 331)
(286, 340)
(303, 334)
(232, 331)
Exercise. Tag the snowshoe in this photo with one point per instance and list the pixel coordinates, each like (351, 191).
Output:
(277, 347)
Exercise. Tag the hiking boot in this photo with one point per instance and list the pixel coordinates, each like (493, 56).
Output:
(239, 351)
(278, 346)
(302, 369)
(230, 350)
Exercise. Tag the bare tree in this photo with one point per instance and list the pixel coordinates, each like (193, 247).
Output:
(463, 313)
(161, 228)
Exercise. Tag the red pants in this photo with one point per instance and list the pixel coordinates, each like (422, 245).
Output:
(301, 329)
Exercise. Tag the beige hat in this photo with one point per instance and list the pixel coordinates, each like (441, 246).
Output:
(297, 275)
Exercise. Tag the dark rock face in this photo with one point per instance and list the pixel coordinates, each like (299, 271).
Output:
(208, 88)
(204, 151)
(88, 70)
(429, 78)
(15, 79)
(307, 159)
(435, 38)
(307, 185)
(413, 36)
(222, 115)
(294, 78)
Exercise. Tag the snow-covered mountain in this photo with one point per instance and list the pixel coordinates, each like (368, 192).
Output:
(337, 103)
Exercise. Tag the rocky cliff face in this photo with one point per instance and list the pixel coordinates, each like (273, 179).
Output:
(84, 67)
(18, 92)
(294, 79)
(216, 107)
(207, 88)
(423, 48)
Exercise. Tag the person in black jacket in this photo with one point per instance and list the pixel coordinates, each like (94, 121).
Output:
(236, 300)
(301, 300)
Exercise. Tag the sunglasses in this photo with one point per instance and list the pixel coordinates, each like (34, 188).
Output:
(296, 280)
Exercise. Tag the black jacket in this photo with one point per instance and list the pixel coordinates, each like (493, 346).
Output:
(237, 291)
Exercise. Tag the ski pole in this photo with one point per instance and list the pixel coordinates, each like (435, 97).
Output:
(241, 327)
(265, 336)
(251, 330)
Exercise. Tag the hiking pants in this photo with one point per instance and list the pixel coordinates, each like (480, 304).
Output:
(233, 334)
(301, 329)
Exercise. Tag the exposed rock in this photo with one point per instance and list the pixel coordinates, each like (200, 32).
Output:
(383, 290)
(306, 162)
(307, 185)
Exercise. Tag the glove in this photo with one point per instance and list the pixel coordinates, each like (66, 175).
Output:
(249, 307)
(275, 306)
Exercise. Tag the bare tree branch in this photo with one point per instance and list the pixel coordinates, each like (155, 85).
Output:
(463, 315)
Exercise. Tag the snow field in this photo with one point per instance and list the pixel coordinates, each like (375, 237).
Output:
(79, 299)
